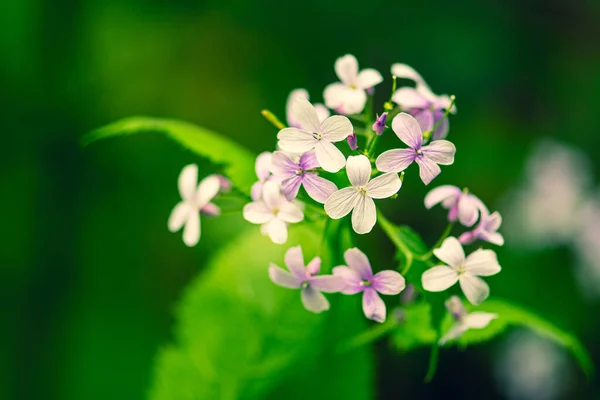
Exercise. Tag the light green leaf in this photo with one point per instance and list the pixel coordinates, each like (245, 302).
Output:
(411, 239)
(415, 329)
(236, 161)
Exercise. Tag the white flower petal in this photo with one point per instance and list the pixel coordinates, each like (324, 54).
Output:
(295, 140)
(410, 98)
(178, 216)
(367, 78)
(277, 231)
(358, 169)
(330, 157)
(364, 215)
(292, 97)
(346, 68)
(294, 261)
(334, 94)
(482, 263)
(290, 212)
(322, 112)
(479, 319)
(439, 278)
(354, 101)
(395, 160)
(451, 252)
(313, 300)
(384, 186)
(474, 288)
(257, 212)
(341, 202)
(440, 194)
(440, 152)
(272, 194)
(428, 170)
(306, 115)
(454, 333)
(191, 231)
(336, 128)
(405, 71)
(468, 209)
(262, 166)
(207, 190)
(283, 278)
(408, 130)
(187, 181)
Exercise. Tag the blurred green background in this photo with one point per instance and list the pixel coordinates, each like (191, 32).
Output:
(89, 273)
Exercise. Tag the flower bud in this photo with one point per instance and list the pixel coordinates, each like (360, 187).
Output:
(379, 124)
(352, 141)
(225, 184)
(455, 307)
(408, 295)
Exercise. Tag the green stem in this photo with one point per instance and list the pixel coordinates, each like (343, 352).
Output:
(452, 100)
(433, 361)
(445, 234)
(390, 230)
(269, 116)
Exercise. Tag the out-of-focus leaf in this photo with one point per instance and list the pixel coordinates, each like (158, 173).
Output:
(411, 239)
(236, 161)
(415, 329)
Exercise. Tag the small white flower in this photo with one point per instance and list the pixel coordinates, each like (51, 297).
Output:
(273, 212)
(359, 197)
(322, 111)
(195, 199)
(317, 135)
(464, 270)
(464, 321)
(348, 96)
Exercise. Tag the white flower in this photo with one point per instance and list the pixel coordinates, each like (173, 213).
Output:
(359, 197)
(464, 321)
(465, 271)
(317, 135)
(273, 212)
(322, 111)
(195, 199)
(348, 96)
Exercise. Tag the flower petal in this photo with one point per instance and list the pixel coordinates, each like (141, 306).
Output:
(468, 209)
(272, 194)
(482, 263)
(479, 319)
(290, 212)
(358, 169)
(354, 101)
(442, 130)
(367, 78)
(425, 119)
(292, 97)
(454, 333)
(313, 300)
(493, 221)
(364, 215)
(256, 191)
(336, 128)
(346, 68)
(207, 190)
(306, 115)
(296, 140)
(281, 165)
(451, 252)
(439, 278)
(191, 231)
(262, 166)
(492, 237)
(334, 94)
(340, 203)
(351, 279)
(327, 283)
(330, 157)
(408, 130)
(384, 186)
(410, 98)
(210, 209)
(405, 71)
(188, 178)
(428, 170)
(290, 187)
(440, 194)
(440, 152)
(388, 282)
(359, 263)
(294, 261)
(395, 160)
(322, 112)
(178, 216)
(277, 231)
(257, 212)
(308, 161)
(319, 189)
(373, 306)
(283, 278)
(474, 288)
(313, 267)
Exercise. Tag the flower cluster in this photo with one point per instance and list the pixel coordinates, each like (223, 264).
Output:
(326, 162)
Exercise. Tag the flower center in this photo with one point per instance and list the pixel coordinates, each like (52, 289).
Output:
(418, 152)
(304, 285)
(299, 172)
(352, 86)
(361, 190)
(317, 135)
(365, 283)
(461, 269)
(275, 211)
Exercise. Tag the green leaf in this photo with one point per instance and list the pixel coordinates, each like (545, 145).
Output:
(411, 239)
(236, 161)
(239, 336)
(416, 329)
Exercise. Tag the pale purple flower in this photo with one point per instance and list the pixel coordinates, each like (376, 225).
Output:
(427, 107)
(486, 230)
(273, 212)
(349, 96)
(195, 199)
(379, 124)
(464, 320)
(317, 135)
(358, 278)
(428, 157)
(464, 270)
(461, 204)
(322, 111)
(358, 198)
(294, 174)
(301, 277)
(352, 141)
(262, 167)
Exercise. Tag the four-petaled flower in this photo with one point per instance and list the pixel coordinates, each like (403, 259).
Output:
(304, 278)
(348, 96)
(322, 111)
(317, 135)
(358, 277)
(486, 229)
(195, 199)
(427, 107)
(464, 321)
(464, 270)
(461, 204)
(359, 197)
(428, 157)
(293, 174)
(262, 166)
(273, 212)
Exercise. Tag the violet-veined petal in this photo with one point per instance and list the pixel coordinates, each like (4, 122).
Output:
(428, 170)
(410, 98)
(330, 157)
(408, 130)
(440, 194)
(282, 166)
(358, 169)
(262, 166)
(290, 212)
(207, 190)
(188, 178)
(451, 252)
(340, 203)
(367, 78)
(327, 283)
(290, 187)
(336, 128)
(439, 278)
(283, 278)
(306, 115)
(482, 263)
(425, 119)
(359, 263)
(351, 279)
(479, 319)
(441, 131)
(294, 261)
(384, 186)
(346, 68)
(191, 230)
(277, 231)
(257, 212)
(313, 300)
(373, 306)
(313, 267)
(308, 161)
(474, 288)
(388, 282)
(296, 140)
(364, 215)
(178, 216)
(440, 152)
(319, 189)
(395, 160)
